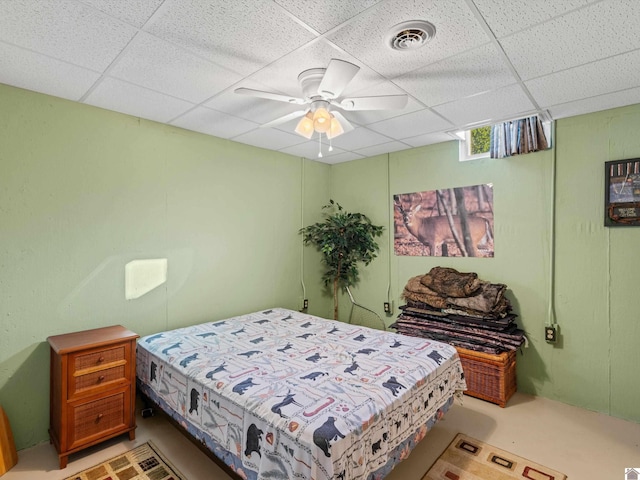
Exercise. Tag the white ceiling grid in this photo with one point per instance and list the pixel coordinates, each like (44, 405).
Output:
(179, 61)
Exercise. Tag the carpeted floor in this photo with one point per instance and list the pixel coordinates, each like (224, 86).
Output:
(468, 458)
(145, 462)
(580, 443)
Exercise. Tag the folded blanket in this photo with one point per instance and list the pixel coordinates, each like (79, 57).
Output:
(448, 282)
(510, 338)
(414, 290)
(497, 322)
(488, 298)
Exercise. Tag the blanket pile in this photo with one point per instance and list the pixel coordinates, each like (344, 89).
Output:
(459, 309)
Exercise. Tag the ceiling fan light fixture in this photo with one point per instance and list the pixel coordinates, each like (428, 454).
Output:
(322, 127)
(410, 35)
(336, 129)
(321, 120)
(305, 126)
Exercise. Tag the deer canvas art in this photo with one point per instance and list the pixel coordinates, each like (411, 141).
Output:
(455, 222)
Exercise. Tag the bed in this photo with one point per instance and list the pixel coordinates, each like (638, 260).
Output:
(287, 395)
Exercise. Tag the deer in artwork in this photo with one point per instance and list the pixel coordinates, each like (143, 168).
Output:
(436, 231)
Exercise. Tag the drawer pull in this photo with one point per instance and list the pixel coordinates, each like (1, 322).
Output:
(101, 359)
(101, 379)
(99, 417)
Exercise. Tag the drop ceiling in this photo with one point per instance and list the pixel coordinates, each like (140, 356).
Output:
(178, 62)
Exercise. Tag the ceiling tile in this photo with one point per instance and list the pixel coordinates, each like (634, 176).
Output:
(606, 76)
(66, 30)
(457, 30)
(270, 138)
(211, 122)
(488, 107)
(468, 73)
(428, 139)
(158, 65)
(582, 36)
(133, 12)
(32, 71)
(595, 104)
(239, 35)
(411, 124)
(361, 137)
(325, 15)
(341, 158)
(133, 100)
(310, 148)
(506, 16)
(382, 149)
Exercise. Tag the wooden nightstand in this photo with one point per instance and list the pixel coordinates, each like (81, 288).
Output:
(93, 388)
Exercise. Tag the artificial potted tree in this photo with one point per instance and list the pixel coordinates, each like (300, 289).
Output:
(344, 239)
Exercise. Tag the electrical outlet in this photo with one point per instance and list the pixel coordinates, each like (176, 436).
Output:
(551, 333)
(387, 308)
(305, 304)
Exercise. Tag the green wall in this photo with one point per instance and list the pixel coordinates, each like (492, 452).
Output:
(594, 273)
(84, 191)
(598, 270)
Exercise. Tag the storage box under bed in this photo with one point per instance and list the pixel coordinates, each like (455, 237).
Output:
(489, 377)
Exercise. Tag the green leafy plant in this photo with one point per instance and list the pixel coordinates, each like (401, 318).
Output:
(344, 239)
(480, 140)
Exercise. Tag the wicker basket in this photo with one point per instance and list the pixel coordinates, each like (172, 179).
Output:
(489, 377)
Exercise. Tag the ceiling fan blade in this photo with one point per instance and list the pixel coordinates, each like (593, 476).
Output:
(337, 76)
(284, 119)
(383, 102)
(346, 126)
(269, 96)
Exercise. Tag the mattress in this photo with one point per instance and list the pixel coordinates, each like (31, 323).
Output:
(283, 394)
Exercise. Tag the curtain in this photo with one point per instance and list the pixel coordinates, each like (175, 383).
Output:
(517, 137)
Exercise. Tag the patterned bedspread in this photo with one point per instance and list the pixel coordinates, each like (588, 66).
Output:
(287, 395)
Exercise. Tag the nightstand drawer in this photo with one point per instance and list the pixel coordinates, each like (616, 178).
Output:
(95, 419)
(97, 359)
(81, 384)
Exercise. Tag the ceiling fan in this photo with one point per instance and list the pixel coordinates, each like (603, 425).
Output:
(321, 90)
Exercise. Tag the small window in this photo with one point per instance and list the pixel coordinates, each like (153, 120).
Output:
(475, 143)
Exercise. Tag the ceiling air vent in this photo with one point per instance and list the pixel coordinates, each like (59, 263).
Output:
(410, 35)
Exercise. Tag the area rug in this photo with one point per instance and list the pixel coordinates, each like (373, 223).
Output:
(142, 463)
(469, 459)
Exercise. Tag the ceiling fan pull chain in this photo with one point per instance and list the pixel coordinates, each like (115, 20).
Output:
(319, 145)
(330, 144)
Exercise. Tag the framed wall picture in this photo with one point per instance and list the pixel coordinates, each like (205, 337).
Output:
(452, 222)
(622, 193)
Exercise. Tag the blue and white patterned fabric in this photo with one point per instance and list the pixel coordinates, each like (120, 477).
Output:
(286, 395)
